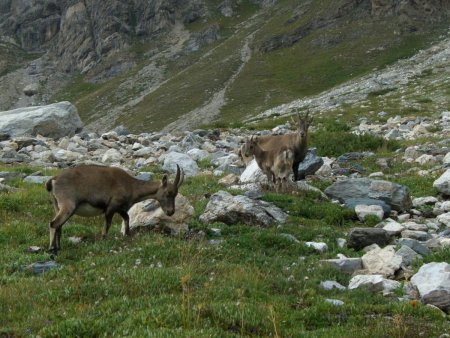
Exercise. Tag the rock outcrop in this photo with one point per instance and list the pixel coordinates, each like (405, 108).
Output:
(55, 120)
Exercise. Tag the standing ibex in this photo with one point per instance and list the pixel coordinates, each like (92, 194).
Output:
(297, 142)
(90, 190)
(276, 164)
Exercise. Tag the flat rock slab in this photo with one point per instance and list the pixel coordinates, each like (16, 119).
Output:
(40, 267)
(229, 209)
(393, 194)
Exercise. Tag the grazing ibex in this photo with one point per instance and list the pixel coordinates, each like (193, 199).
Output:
(91, 190)
(296, 141)
(276, 164)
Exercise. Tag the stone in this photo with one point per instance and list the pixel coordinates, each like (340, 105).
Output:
(198, 154)
(415, 226)
(374, 283)
(442, 184)
(229, 209)
(253, 174)
(37, 179)
(415, 245)
(363, 210)
(408, 255)
(351, 203)
(318, 246)
(31, 89)
(330, 285)
(393, 228)
(382, 261)
(433, 283)
(335, 302)
(446, 159)
(185, 162)
(421, 201)
(444, 219)
(395, 195)
(426, 159)
(346, 265)
(362, 237)
(148, 214)
(112, 156)
(55, 120)
(417, 235)
(341, 242)
(310, 164)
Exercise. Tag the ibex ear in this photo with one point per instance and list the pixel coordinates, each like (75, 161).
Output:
(164, 181)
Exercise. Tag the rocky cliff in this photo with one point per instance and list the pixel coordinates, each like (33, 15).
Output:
(148, 57)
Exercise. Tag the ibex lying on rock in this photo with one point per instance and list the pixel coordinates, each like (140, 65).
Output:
(90, 190)
(276, 164)
(297, 142)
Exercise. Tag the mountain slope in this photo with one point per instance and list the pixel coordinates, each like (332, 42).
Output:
(179, 66)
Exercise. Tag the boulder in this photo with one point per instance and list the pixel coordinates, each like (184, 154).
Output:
(362, 237)
(442, 184)
(374, 283)
(185, 162)
(148, 214)
(310, 164)
(318, 246)
(229, 209)
(55, 120)
(433, 283)
(408, 255)
(392, 227)
(382, 261)
(253, 173)
(330, 285)
(395, 195)
(444, 219)
(111, 156)
(415, 245)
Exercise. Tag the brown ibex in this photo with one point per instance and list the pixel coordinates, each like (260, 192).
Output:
(276, 164)
(296, 141)
(91, 190)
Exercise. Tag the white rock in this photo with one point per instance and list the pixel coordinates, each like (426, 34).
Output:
(198, 154)
(374, 283)
(319, 246)
(362, 211)
(444, 219)
(443, 183)
(420, 201)
(393, 228)
(382, 261)
(433, 282)
(189, 166)
(330, 285)
(112, 155)
(253, 174)
(335, 302)
(446, 159)
(426, 159)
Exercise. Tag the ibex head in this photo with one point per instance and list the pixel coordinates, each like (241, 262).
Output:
(168, 191)
(249, 146)
(303, 122)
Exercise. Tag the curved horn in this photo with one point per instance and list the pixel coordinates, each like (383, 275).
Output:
(179, 178)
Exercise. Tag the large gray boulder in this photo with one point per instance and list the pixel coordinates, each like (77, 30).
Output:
(395, 195)
(55, 120)
(433, 282)
(229, 209)
(310, 164)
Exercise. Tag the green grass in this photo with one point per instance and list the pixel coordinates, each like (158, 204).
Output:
(255, 283)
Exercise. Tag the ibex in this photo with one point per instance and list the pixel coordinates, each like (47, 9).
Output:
(276, 164)
(283, 169)
(297, 142)
(91, 190)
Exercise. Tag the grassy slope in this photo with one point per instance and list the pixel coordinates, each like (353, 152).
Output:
(256, 283)
(343, 49)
